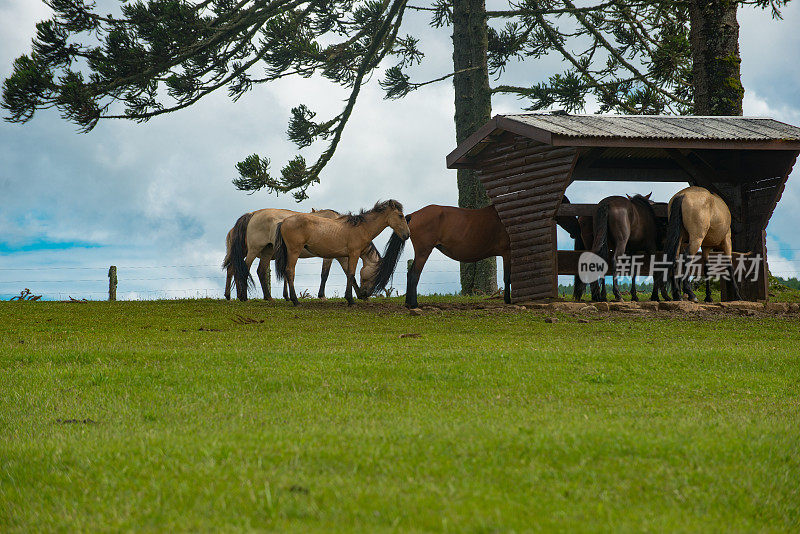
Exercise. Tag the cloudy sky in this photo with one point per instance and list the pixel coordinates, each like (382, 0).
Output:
(156, 199)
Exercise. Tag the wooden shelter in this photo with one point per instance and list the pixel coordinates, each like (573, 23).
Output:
(527, 161)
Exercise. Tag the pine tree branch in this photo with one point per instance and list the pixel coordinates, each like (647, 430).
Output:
(523, 11)
(373, 51)
(615, 53)
(556, 42)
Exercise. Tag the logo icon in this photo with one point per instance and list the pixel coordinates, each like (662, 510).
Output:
(591, 267)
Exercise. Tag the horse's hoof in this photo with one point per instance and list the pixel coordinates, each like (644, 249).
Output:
(323, 297)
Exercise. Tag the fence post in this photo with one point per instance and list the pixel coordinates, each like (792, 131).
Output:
(112, 282)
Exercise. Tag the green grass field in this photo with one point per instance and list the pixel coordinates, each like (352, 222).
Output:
(179, 416)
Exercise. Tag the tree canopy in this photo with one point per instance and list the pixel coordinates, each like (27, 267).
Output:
(158, 56)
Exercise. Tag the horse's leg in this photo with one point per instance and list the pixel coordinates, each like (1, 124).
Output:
(694, 247)
(228, 282)
(634, 296)
(578, 287)
(241, 292)
(351, 278)
(659, 282)
(326, 270)
(727, 249)
(420, 257)
(343, 262)
(286, 290)
(263, 275)
(507, 279)
(664, 291)
(291, 263)
(619, 250)
(673, 272)
(705, 275)
(656, 286)
(687, 288)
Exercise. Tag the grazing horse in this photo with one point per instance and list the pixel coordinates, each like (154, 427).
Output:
(346, 236)
(699, 218)
(625, 225)
(252, 237)
(465, 235)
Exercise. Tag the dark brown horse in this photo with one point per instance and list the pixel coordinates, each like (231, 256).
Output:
(623, 225)
(465, 235)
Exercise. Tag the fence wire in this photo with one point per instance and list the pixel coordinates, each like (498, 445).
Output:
(441, 275)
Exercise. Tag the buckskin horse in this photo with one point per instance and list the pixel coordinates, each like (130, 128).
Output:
(346, 236)
(252, 237)
(699, 218)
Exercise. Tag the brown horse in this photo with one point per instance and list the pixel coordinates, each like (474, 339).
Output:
(699, 218)
(346, 236)
(465, 235)
(252, 237)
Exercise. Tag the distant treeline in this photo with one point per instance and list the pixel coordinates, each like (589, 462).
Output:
(793, 283)
(625, 287)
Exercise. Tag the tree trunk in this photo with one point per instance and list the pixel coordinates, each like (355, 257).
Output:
(714, 35)
(473, 109)
(718, 90)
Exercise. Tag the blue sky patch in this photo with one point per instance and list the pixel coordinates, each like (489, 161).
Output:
(44, 244)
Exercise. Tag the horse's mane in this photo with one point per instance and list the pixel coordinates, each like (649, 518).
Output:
(645, 203)
(357, 218)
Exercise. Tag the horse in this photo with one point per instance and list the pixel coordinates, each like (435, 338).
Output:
(622, 224)
(699, 218)
(252, 236)
(465, 235)
(349, 235)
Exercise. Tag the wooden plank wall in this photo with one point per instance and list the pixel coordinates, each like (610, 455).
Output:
(752, 202)
(526, 180)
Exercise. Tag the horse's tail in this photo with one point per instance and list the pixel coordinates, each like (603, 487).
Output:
(388, 263)
(600, 245)
(280, 254)
(235, 256)
(674, 229)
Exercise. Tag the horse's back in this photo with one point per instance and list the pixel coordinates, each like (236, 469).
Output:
(464, 234)
(262, 227)
(705, 213)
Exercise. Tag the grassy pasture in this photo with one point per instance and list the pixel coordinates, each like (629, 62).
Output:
(196, 416)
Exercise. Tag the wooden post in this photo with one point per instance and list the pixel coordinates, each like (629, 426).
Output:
(112, 282)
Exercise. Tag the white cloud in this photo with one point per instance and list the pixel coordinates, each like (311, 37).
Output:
(159, 194)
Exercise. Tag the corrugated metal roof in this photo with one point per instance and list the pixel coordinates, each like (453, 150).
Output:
(660, 127)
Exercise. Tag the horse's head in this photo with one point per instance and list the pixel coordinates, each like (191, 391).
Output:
(372, 262)
(396, 220)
